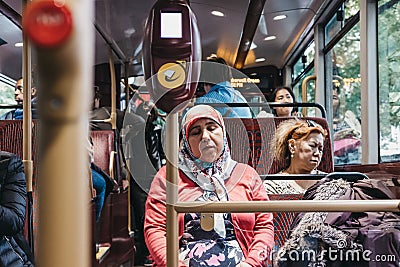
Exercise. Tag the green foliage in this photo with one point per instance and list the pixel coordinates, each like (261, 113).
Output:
(389, 70)
(6, 96)
(347, 56)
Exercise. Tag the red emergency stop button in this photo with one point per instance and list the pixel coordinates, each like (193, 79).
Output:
(47, 23)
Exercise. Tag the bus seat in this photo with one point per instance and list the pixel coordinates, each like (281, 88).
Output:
(114, 218)
(283, 220)
(11, 135)
(103, 142)
(240, 138)
(11, 140)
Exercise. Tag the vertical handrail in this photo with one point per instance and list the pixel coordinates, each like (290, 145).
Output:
(113, 90)
(304, 91)
(27, 130)
(172, 189)
(65, 73)
(126, 82)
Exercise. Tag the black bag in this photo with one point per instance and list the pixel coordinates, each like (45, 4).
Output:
(15, 252)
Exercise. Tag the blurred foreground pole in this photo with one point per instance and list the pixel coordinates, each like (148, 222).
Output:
(65, 53)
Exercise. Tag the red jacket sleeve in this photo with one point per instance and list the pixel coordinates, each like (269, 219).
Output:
(155, 228)
(261, 246)
(155, 224)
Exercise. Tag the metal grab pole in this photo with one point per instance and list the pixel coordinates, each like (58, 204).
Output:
(27, 114)
(65, 74)
(172, 191)
(113, 117)
(290, 205)
(27, 132)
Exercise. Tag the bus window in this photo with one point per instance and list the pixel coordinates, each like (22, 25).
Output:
(389, 84)
(343, 62)
(348, 9)
(6, 92)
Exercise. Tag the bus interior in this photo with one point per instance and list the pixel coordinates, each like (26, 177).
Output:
(311, 46)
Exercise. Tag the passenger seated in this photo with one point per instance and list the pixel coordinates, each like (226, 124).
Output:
(283, 94)
(102, 183)
(207, 173)
(14, 250)
(19, 98)
(218, 88)
(146, 159)
(299, 144)
(153, 132)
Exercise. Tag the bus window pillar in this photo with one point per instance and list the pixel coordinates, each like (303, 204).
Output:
(369, 82)
(322, 94)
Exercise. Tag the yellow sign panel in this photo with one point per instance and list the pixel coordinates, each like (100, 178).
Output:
(172, 74)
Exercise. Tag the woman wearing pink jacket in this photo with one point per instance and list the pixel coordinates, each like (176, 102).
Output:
(207, 173)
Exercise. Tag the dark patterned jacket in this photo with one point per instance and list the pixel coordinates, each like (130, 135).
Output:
(14, 250)
(344, 239)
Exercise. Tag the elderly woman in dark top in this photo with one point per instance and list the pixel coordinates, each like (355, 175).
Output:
(299, 143)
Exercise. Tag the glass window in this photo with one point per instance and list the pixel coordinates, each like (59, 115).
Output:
(304, 60)
(389, 83)
(336, 23)
(310, 95)
(343, 65)
(6, 92)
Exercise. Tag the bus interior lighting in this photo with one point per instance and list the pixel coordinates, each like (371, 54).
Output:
(271, 37)
(280, 17)
(217, 13)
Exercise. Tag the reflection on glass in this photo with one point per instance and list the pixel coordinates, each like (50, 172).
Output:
(297, 90)
(348, 9)
(6, 92)
(300, 65)
(389, 84)
(344, 68)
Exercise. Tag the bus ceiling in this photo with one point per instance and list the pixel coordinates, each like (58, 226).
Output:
(240, 31)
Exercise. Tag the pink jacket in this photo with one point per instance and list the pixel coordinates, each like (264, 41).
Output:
(254, 231)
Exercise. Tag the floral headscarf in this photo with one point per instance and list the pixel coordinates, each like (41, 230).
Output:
(209, 176)
(196, 169)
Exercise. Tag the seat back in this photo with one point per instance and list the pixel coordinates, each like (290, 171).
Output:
(240, 138)
(11, 140)
(103, 143)
(114, 218)
(283, 220)
(250, 142)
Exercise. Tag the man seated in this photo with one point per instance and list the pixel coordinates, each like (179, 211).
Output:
(16, 114)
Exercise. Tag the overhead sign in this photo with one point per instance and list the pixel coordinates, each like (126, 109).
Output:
(242, 82)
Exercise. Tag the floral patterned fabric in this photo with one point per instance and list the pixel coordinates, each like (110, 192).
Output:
(208, 248)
